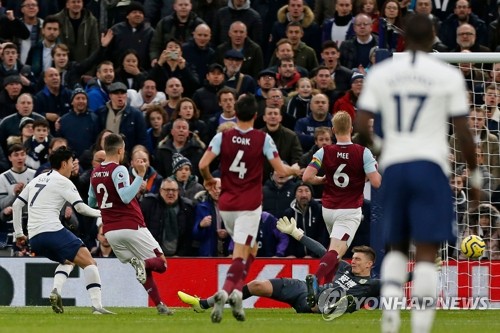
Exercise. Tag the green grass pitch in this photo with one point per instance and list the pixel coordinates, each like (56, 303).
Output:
(135, 320)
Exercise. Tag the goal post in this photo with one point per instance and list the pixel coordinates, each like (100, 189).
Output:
(462, 277)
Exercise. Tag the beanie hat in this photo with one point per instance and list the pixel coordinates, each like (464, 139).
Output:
(134, 5)
(356, 75)
(178, 161)
(25, 121)
(301, 183)
(78, 90)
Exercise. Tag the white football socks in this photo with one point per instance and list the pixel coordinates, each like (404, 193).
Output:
(393, 275)
(425, 279)
(61, 274)
(93, 285)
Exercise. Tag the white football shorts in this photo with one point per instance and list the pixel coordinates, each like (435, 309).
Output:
(342, 223)
(241, 225)
(129, 243)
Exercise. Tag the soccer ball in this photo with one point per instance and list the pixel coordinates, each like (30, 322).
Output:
(473, 246)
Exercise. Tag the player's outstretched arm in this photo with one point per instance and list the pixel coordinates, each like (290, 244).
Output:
(310, 176)
(83, 209)
(284, 170)
(289, 226)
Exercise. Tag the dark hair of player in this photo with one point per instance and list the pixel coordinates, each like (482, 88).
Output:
(58, 156)
(368, 251)
(419, 32)
(246, 108)
(112, 143)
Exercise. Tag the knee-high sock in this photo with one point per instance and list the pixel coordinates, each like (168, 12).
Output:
(234, 275)
(327, 264)
(155, 264)
(331, 274)
(61, 274)
(248, 264)
(93, 284)
(393, 274)
(151, 288)
(425, 279)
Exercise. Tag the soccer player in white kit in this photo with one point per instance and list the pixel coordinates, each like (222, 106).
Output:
(415, 97)
(45, 195)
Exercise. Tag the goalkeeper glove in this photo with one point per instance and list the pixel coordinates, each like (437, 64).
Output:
(289, 227)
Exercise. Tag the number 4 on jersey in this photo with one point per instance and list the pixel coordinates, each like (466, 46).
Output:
(238, 166)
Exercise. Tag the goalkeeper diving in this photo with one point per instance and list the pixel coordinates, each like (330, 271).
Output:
(351, 281)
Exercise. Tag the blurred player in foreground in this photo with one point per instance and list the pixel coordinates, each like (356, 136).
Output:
(123, 222)
(415, 96)
(242, 152)
(45, 196)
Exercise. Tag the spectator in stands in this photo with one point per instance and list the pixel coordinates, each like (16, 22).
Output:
(197, 50)
(319, 116)
(97, 89)
(186, 109)
(12, 27)
(389, 27)
(253, 60)
(154, 10)
(237, 10)
(462, 14)
(182, 173)
(208, 227)
(178, 141)
(37, 147)
(459, 198)
(271, 242)
(72, 72)
(119, 117)
(348, 102)
(234, 78)
(103, 249)
(29, 11)
(172, 64)
(227, 99)
(287, 76)
(487, 141)
(354, 52)
(206, 96)
(341, 75)
(284, 50)
(488, 183)
(323, 81)
(177, 26)
(40, 55)
(170, 218)
(147, 97)
(494, 33)
(304, 56)
(322, 137)
(82, 118)
(278, 193)
(275, 99)
(323, 11)
(307, 212)
(296, 11)
(10, 124)
(266, 80)
(13, 181)
(297, 104)
(484, 222)
(132, 34)
(8, 96)
(490, 106)
(174, 91)
(26, 128)
(156, 117)
(151, 182)
(11, 65)
(87, 156)
(339, 27)
(129, 71)
(53, 101)
(78, 30)
(286, 140)
(466, 39)
(425, 7)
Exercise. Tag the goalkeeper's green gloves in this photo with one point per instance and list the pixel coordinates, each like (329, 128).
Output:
(289, 227)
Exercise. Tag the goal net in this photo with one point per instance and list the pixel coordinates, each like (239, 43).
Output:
(463, 281)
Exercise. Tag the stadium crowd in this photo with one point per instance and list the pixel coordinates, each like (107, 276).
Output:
(167, 74)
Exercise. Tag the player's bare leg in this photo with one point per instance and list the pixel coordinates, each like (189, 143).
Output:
(84, 260)
(425, 279)
(393, 275)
